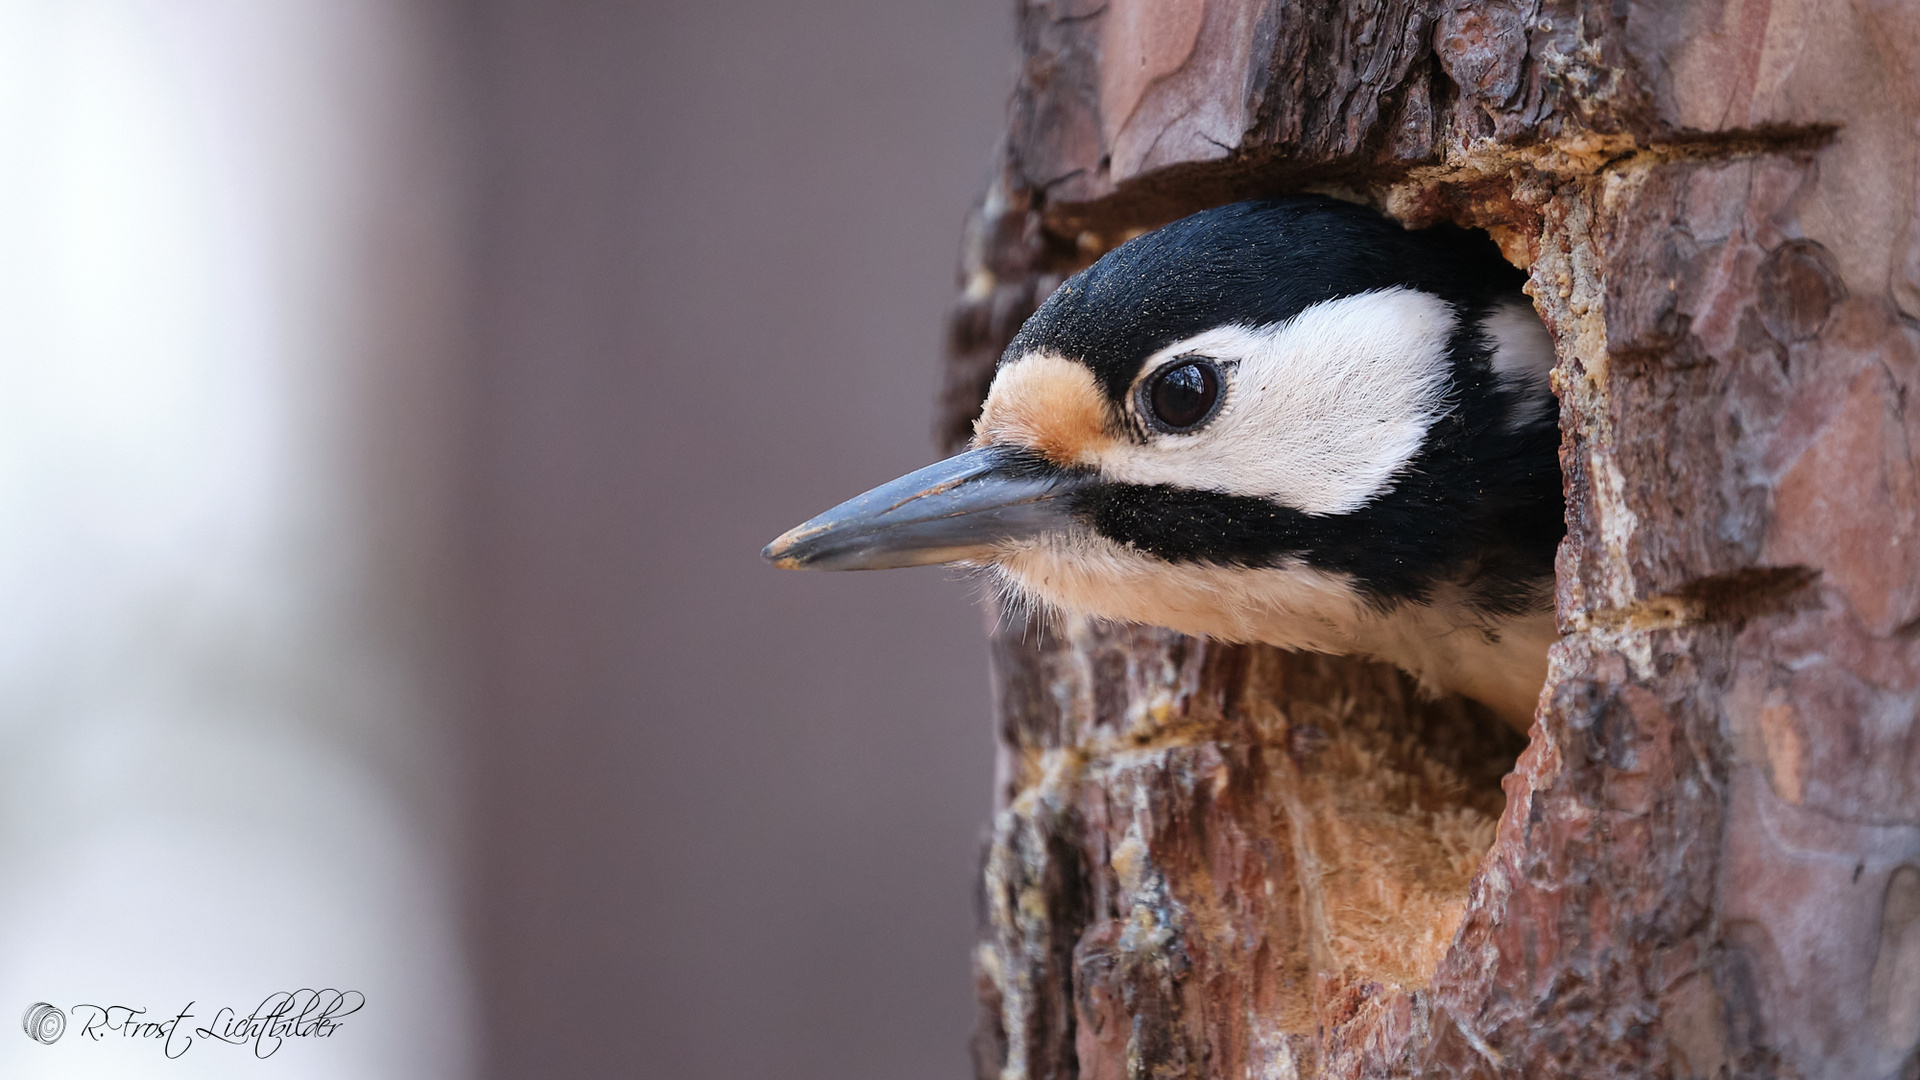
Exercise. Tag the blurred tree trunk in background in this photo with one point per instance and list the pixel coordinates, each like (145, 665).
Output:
(1229, 862)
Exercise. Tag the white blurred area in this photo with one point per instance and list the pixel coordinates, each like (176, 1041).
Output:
(228, 282)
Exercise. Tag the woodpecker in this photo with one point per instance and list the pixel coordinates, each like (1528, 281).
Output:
(1288, 421)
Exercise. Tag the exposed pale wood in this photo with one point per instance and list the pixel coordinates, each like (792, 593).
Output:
(1229, 862)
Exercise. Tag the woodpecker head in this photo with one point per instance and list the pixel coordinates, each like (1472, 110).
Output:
(1287, 420)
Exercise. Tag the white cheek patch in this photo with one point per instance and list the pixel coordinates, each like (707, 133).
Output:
(1321, 413)
(1522, 358)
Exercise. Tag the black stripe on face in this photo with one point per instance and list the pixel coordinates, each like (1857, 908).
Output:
(1182, 525)
(1497, 539)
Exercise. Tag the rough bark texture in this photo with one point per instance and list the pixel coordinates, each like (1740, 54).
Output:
(1226, 861)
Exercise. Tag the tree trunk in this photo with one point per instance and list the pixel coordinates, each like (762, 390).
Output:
(1227, 861)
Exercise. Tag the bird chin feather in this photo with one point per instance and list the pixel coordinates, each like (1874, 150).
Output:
(1291, 606)
(1444, 644)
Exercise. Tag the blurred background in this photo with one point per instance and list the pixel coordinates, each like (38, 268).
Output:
(394, 398)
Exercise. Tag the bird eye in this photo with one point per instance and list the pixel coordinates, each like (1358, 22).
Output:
(1183, 396)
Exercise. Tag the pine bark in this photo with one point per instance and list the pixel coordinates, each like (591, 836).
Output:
(1224, 861)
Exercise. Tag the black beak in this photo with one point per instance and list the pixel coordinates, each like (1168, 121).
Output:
(968, 507)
